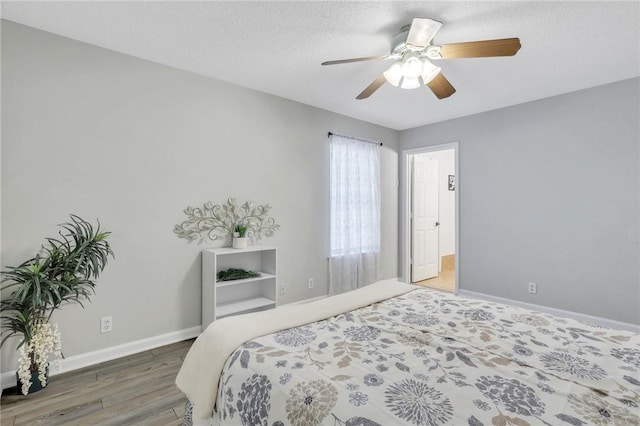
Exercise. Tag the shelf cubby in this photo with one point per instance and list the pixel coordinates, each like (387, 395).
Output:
(226, 298)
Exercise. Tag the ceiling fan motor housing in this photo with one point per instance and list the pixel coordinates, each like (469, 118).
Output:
(399, 42)
(399, 46)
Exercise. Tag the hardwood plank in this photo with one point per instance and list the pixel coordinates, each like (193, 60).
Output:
(169, 358)
(95, 390)
(177, 422)
(180, 347)
(73, 377)
(69, 381)
(134, 411)
(180, 409)
(130, 393)
(63, 415)
(162, 418)
(9, 421)
(137, 389)
(123, 362)
(54, 386)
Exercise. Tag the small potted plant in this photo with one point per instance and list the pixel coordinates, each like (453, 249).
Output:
(239, 236)
(63, 271)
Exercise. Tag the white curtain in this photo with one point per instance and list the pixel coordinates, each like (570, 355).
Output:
(355, 214)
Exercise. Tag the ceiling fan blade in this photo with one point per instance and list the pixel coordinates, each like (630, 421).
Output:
(346, 61)
(481, 49)
(375, 85)
(422, 32)
(441, 87)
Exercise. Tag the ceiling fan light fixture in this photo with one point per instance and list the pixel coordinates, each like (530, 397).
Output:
(411, 67)
(394, 74)
(429, 71)
(407, 73)
(410, 83)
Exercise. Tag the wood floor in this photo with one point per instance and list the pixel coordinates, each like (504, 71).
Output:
(134, 390)
(444, 281)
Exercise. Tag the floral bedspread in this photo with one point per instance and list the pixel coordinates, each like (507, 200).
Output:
(431, 358)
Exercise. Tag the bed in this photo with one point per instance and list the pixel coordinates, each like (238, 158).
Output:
(393, 354)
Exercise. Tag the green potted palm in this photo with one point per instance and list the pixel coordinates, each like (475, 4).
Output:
(62, 272)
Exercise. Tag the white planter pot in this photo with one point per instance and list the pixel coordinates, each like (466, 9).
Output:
(239, 242)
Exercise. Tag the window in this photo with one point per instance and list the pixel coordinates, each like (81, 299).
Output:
(355, 211)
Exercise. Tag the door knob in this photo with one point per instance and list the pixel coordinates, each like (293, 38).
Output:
(437, 223)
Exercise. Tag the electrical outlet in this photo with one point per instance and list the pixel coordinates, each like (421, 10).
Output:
(310, 281)
(283, 290)
(533, 288)
(106, 324)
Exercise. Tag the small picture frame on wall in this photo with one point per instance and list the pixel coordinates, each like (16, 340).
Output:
(452, 183)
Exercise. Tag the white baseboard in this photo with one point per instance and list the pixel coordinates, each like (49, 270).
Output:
(604, 322)
(76, 362)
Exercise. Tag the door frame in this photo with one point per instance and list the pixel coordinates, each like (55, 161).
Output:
(405, 208)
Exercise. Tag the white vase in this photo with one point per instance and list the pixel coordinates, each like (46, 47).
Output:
(239, 242)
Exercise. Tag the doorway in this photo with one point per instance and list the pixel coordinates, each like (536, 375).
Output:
(430, 216)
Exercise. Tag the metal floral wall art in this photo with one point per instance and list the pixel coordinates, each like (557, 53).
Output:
(212, 222)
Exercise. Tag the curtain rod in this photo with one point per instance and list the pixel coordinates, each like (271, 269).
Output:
(351, 137)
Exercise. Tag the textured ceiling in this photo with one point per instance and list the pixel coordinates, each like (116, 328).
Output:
(277, 47)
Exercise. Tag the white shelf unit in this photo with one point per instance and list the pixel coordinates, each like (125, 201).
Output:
(224, 298)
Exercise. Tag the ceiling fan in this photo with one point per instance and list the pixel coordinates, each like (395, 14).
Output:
(413, 51)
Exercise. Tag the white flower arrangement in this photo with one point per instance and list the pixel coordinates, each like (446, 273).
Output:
(45, 343)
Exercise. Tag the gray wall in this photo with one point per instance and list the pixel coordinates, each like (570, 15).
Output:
(104, 135)
(549, 193)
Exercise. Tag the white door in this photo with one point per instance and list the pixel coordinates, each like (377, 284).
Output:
(424, 230)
